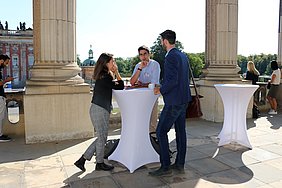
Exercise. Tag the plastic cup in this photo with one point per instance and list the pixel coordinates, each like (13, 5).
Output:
(151, 86)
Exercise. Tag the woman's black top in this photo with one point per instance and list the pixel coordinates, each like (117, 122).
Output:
(102, 93)
(252, 76)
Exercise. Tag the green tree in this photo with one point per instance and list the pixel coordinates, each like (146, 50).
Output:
(242, 63)
(133, 62)
(126, 66)
(196, 63)
(121, 65)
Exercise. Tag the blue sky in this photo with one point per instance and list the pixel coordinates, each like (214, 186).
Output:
(121, 26)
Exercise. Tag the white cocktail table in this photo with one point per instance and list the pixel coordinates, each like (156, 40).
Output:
(135, 149)
(236, 98)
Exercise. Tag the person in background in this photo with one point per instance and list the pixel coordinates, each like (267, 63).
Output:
(273, 91)
(4, 62)
(253, 75)
(104, 73)
(145, 72)
(176, 93)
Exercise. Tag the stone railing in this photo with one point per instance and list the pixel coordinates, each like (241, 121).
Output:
(16, 33)
(260, 96)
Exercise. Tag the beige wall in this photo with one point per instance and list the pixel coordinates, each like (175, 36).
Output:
(54, 117)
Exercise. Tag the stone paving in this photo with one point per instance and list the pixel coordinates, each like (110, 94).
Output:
(207, 165)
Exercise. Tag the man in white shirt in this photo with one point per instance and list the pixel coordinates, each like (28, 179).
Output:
(147, 72)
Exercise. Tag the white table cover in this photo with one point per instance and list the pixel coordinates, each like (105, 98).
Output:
(135, 149)
(236, 98)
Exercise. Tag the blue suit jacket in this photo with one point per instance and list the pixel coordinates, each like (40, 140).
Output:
(175, 87)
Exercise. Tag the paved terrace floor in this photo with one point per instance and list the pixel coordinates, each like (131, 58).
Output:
(207, 165)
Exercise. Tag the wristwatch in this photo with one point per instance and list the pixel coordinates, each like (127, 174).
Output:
(139, 69)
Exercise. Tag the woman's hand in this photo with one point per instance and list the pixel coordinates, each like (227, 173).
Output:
(114, 68)
(157, 90)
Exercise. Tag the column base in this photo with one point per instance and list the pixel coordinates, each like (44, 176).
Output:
(56, 113)
(211, 103)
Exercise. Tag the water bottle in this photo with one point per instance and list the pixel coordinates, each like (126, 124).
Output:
(9, 85)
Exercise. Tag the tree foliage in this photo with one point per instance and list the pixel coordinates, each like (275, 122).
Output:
(196, 62)
(261, 61)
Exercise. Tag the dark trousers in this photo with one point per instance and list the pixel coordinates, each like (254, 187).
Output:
(172, 114)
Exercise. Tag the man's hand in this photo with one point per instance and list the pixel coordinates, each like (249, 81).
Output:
(143, 64)
(157, 91)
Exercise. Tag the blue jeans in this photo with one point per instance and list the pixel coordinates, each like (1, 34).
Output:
(172, 114)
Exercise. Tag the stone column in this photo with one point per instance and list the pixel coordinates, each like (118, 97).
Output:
(55, 43)
(221, 40)
(221, 55)
(56, 103)
(279, 58)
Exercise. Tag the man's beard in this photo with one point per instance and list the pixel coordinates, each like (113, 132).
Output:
(164, 47)
(2, 66)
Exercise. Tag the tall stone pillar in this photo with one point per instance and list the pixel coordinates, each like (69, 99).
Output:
(57, 101)
(221, 55)
(279, 58)
(221, 40)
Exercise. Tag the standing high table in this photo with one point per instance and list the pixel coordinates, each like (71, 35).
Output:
(135, 149)
(236, 98)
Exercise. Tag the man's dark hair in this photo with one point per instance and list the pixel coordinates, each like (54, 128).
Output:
(4, 57)
(143, 48)
(169, 35)
(274, 65)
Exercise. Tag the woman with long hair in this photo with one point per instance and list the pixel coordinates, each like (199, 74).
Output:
(253, 75)
(273, 91)
(252, 72)
(104, 72)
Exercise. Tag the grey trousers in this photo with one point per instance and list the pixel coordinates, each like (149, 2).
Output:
(3, 113)
(100, 121)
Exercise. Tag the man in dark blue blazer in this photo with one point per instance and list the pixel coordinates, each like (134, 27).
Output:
(176, 94)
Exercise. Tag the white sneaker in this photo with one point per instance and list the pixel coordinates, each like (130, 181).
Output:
(273, 112)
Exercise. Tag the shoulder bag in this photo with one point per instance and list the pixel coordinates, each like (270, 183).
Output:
(194, 108)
